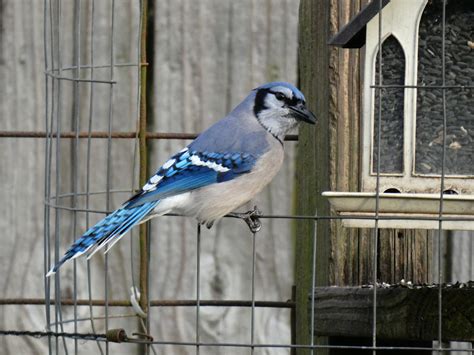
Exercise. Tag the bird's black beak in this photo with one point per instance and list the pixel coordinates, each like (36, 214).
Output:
(301, 113)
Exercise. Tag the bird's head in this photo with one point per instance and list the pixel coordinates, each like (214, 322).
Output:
(279, 107)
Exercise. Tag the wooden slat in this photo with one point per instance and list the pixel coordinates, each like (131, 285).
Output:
(402, 313)
(313, 159)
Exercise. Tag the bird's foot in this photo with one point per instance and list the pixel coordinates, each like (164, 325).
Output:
(252, 218)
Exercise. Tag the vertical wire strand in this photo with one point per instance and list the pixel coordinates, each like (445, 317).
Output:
(75, 142)
(377, 187)
(198, 286)
(147, 324)
(313, 280)
(252, 310)
(109, 160)
(136, 145)
(443, 172)
(50, 160)
(56, 211)
(57, 285)
(47, 169)
(88, 160)
(135, 151)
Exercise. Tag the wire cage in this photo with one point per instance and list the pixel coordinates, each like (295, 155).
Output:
(104, 133)
(99, 149)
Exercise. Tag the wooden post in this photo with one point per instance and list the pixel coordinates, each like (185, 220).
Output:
(312, 160)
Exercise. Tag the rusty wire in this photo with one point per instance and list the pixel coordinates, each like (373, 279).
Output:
(106, 135)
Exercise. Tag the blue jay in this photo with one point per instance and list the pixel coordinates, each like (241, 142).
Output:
(222, 169)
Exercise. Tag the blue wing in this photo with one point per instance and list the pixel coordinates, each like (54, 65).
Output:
(189, 170)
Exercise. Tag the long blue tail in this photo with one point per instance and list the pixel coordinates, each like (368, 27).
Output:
(111, 228)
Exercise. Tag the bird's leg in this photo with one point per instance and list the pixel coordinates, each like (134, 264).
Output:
(251, 218)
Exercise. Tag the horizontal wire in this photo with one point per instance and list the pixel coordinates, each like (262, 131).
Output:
(100, 66)
(426, 87)
(387, 217)
(106, 135)
(85, 194)
(301, 346)
(42, 334)
(103, 337)
(59, 77)
(153, 303)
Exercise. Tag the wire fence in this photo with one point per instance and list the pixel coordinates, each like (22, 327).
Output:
(88, 90)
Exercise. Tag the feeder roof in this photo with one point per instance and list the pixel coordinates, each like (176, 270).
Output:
(352, 35)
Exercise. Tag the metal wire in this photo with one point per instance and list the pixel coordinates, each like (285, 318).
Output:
(252, 309)
(313, 281)
(88, 159)
(377, 185)
(443, 171)
(198, 285)
(75, 155)
(58, 310)
(102, 337)
(114, 135)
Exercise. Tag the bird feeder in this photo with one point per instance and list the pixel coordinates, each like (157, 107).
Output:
(414, 101)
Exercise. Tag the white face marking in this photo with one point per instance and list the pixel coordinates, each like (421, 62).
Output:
(272, 102)
(285, 91)
(168, 164)
(214, 166)
(276, 118)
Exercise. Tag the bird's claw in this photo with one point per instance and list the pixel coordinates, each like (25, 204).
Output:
(252, 218)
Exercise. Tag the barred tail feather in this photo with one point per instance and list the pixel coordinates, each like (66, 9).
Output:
(111, 228)
(125, 226)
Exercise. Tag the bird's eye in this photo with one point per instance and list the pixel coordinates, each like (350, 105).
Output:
(280, 96)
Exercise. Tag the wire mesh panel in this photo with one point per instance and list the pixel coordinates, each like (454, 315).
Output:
(179, 287)
(380, 326)
(92, 76)
(94, 157)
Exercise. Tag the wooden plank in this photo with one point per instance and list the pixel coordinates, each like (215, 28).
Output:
(403, 313)
(344, 146)
(312, 160)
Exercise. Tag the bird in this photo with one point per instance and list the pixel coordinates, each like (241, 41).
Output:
(221, 170)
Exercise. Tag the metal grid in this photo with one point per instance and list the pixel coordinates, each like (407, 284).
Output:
(60, 204)
(440, 346)
(56, 75)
